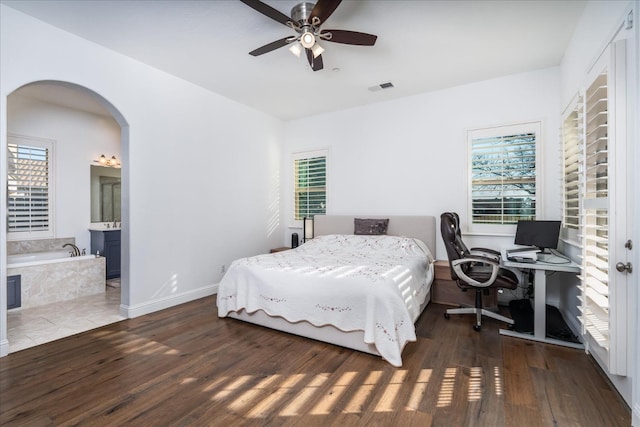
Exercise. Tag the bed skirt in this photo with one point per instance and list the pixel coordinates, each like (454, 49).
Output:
(328, 333)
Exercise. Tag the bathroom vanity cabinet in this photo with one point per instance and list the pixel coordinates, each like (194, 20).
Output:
(14, 291)
(108, 243)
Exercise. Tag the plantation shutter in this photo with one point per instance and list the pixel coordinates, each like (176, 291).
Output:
(310, 178)
(572, 164)
(503, 176)
(606, 288)
(29, 204)
(595, 233)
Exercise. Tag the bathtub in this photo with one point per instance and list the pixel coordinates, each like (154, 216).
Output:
(37, 258)
(48, 277)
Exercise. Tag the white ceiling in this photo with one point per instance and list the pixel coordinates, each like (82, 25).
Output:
(422, 45)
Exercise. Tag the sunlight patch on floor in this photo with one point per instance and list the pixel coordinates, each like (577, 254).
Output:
(214, 384)
(497, 380)
(331, 398)
(253, 393)
(445, 397)
(260, 396)
(386, 403)
(359, 398)
(419, 389)
(146, 347)
(304, 395)
(475, 385)
(232, 387)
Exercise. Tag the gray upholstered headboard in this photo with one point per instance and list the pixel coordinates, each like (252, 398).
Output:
(420, 227)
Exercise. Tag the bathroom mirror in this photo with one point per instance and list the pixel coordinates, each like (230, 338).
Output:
(105, 194)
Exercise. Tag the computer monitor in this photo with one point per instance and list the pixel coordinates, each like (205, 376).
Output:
(542, 234)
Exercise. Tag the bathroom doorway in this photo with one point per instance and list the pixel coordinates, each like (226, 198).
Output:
(82, 126)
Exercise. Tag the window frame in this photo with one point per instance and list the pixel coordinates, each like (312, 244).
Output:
(308, 155)
(535, 127)
(22, 140)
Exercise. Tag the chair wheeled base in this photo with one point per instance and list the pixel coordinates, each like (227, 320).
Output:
(479, 312)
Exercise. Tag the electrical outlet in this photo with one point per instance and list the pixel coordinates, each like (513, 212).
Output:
(223, 268)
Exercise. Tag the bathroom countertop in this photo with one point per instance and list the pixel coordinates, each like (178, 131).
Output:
(102, 227)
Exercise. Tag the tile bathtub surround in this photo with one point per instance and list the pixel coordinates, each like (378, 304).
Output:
(42, 245)
(60, 281)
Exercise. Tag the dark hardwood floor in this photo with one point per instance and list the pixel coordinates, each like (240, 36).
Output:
(185, 366)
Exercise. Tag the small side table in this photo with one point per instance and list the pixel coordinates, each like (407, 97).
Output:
(283, 248)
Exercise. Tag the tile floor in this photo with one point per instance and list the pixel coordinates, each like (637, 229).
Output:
(37, 325)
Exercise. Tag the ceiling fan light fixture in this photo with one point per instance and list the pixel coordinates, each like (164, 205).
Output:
(306, 20)
(307, 40)
(296, 49)
(317, 50)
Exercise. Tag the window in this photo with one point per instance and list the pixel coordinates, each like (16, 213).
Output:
(310, 184)
(504, 175)
(29, 188)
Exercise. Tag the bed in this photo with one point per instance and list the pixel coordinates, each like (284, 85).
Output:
(360, 292)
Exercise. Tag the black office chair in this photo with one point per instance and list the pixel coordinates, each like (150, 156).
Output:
(475, 268)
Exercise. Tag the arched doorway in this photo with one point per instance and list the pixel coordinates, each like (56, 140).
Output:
(55, 98)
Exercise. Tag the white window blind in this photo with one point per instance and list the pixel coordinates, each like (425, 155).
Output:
(572, 164)
(29, 199)
(310, 183)
(595, 252)
(504, 173)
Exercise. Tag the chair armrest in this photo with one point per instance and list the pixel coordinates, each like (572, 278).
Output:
(486, 252)
(457, 267)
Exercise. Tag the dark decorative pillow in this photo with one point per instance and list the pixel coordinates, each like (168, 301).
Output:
(370, 226)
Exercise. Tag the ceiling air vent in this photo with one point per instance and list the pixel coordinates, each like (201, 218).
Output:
(387, 85)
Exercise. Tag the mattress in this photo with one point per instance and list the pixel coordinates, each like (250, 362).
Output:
(374, 284)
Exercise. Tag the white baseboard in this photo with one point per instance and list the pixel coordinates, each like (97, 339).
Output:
(131, 311)
(635, 415)
(4, 348)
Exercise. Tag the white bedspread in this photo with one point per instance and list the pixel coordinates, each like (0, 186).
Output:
(375, 284)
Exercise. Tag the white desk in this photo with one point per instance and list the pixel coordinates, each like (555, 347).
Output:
(540, 292)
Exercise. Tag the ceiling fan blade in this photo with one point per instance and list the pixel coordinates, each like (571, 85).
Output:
(267, 10)
(269, 47)
(351, 37)
(323, 9)
(316, 63)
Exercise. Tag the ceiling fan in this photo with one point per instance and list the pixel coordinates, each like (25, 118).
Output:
(305, 20)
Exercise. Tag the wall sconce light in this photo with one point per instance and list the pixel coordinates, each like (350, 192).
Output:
(112, 162)
(307, 228)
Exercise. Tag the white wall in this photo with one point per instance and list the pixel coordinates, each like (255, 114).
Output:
(409, 156)
(80, 138)
(599, 22)
(188, 206)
